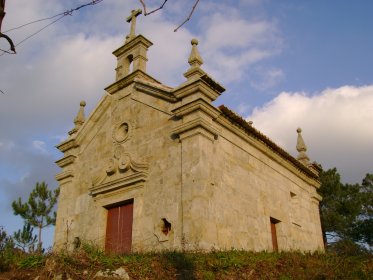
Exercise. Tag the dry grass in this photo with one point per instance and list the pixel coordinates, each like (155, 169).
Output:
(84, 263)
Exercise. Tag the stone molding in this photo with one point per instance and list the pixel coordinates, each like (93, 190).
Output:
(201, 86)
(64, 175)
(130, 180)
(129, 79)
(154, 90)
(121, 172)
(194, 127)
(197, 105)
(132, 44)
(316, 198)
(65, 161)
(67, 145)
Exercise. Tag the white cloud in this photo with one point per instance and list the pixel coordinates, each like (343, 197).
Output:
(232, 44)
(39, 146)
(6, 145)
(336, 123)
(267, 78)
(243, 108)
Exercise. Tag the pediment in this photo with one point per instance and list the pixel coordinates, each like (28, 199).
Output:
(121, 171)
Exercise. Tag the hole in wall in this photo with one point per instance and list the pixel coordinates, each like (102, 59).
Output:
(274, 221)
(130, 63)
(166, 226)
(76, 242)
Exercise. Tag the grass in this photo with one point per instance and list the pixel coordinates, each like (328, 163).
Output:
(84, 263)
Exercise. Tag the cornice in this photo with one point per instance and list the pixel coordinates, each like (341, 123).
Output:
(133, 179)
(129, 79)
(154, 90)
(196, 105)
(196, 126)
(296, 167)
(67, 145)
(131, 44)
(213, 84)
(196, 86)
(66, 161)
(64, 175)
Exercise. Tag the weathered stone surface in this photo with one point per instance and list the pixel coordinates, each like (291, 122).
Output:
(215, 178)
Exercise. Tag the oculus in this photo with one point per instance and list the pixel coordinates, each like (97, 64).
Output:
(120, 133)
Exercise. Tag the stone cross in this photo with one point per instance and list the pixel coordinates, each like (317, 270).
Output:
(132, 19)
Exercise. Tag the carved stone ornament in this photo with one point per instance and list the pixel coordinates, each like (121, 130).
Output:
(121, 171)
(121, 132)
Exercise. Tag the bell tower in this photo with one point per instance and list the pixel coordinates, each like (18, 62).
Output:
(132, 56)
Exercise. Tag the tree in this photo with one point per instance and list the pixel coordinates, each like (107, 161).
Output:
(38, 211)
(363, 228)
(5, 240)
(6, 249)
(346, 209)
(25, 238)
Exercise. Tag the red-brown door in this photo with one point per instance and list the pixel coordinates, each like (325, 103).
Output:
(274, 234)
(119, 229)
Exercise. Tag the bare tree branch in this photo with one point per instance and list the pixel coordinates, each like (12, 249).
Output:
(2, 15)
(143, 6)
(4, 51)
(153, 11)
(161, 7)
(2, 12)
(189, 17)
(12, 47)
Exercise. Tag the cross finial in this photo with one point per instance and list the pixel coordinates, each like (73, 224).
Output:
(132, 19)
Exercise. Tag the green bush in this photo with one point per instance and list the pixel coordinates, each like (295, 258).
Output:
(31, 261)
(7, 251)
(347, 248)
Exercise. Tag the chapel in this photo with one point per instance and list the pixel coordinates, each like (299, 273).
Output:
(155, 168)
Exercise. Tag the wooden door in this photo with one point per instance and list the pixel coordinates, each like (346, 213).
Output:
(119, 229)
(274, 234)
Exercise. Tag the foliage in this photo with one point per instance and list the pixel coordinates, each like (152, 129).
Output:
(85, 262)
(5, 240)
(363, 228)
(31, 261)
(38, 210)
(25, 238)
(346, 209)
(346, 247)
(6, 247)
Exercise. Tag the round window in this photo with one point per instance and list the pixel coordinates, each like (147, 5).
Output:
(121, 132)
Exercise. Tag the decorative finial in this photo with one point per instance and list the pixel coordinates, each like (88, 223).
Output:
(132, 19)
(79, 119)
(195, 59)
(302, 149)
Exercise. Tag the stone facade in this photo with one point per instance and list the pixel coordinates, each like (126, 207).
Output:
(197, 176)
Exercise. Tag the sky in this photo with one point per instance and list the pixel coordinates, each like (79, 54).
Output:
(284, 64)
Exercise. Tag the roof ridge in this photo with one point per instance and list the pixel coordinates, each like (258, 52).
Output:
(249, 129)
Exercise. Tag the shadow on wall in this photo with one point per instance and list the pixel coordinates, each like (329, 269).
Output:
(184, 267)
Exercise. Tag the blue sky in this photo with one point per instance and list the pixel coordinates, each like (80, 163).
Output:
(284, 64)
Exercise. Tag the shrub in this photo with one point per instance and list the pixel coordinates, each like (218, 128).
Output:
(347, 248)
